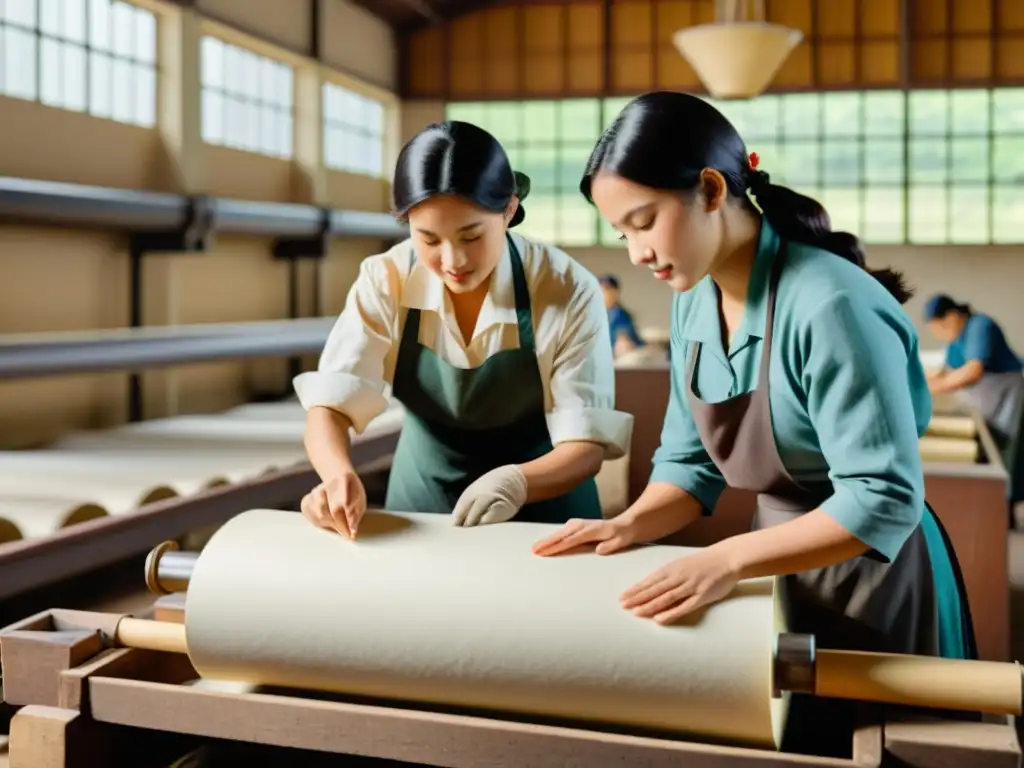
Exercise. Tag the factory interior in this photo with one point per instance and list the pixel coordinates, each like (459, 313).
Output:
(188, 189)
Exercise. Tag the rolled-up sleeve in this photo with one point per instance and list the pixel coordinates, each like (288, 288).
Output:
(859, 400)
(681, 459)
(350, 376)
(582, 379)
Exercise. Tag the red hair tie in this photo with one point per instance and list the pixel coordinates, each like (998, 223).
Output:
(754, 160)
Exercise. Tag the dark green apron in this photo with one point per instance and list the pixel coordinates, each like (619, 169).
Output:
(461, 423)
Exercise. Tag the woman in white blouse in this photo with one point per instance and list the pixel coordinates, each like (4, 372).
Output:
(496, 346)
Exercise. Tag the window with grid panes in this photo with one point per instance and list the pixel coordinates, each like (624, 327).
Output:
(248, 100)
(353, 131)
(883, 211)
(92, 56)
(1008, 165)
(929, 167)
(549, 141)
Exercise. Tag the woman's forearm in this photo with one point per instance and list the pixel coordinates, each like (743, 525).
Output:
(810, 541)
(327, 442)
(964, 376)
(661, 510)
(561, 469)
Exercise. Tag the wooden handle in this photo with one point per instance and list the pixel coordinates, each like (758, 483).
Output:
(151, 635)
(920, 681)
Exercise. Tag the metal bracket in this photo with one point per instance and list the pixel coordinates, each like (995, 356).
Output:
(315, 247)
(194, 235)
(794, 667)
(294, 250)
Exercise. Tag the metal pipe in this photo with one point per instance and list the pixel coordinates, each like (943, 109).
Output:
(169, 570)
(39, 355)
(136, 211)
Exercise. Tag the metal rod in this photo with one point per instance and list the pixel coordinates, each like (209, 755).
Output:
(919, 681)
(169, 570)
(51, 354)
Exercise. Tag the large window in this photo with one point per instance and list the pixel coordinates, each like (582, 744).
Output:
(549, 141)
(247, 100)
(93, 56)
(925, 167)
(353, 131)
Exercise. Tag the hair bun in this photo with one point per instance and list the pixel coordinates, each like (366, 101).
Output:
(518, 216)
(522, 185)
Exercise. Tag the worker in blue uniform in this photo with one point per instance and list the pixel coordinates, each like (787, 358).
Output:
(983, 370)
(795, 374)
(623, 331)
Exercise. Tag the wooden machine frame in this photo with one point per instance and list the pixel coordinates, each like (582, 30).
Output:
(81, 699)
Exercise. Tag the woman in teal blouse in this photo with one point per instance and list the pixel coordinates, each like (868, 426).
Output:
(795, 374)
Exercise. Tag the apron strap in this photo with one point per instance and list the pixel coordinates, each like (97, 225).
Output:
(524, 308)
(769, 324)
(965, 606)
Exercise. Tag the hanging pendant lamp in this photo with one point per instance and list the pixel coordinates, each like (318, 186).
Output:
(737, 57)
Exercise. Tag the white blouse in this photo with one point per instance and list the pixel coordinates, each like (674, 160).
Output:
(570, 323)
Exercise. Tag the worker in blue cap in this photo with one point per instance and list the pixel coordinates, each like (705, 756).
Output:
(624, 335)
(984, 370)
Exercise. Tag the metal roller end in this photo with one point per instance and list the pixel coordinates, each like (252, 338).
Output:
(794, 666)
(169, 570)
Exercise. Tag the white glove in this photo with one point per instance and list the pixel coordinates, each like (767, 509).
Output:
(495, 497)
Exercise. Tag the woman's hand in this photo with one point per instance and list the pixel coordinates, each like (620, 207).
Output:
(682, 586)
(337, 504)
(610, 536)
(495, 497)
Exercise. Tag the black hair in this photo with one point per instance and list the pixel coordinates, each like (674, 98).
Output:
(456, 158)
(665, 140)
(941, 305)
(610, 280)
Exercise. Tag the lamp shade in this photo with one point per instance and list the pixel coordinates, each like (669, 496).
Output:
(736, 60)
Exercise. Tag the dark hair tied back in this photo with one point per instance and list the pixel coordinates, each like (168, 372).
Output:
(665, 140)
(461, 159)
(522, 190)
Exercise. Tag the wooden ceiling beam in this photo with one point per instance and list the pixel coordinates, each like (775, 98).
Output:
(449, 10)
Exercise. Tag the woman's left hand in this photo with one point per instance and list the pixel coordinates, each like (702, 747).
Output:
(682, 586)
(495, 497)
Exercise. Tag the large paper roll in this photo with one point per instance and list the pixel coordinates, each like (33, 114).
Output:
(953, 426)
(949, 449)
(8, 531)
(419, 610)
(42, 516)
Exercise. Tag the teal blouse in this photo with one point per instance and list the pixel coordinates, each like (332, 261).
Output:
(848, 394)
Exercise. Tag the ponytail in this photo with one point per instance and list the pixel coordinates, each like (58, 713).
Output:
(804, 220)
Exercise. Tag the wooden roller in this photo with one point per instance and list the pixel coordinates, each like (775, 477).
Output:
(799, 667)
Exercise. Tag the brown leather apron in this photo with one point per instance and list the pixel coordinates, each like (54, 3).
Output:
(861, 604)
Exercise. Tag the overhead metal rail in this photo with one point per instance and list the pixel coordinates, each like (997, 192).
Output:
(164, 224)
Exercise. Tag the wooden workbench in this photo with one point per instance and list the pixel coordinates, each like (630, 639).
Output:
(85, 704)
